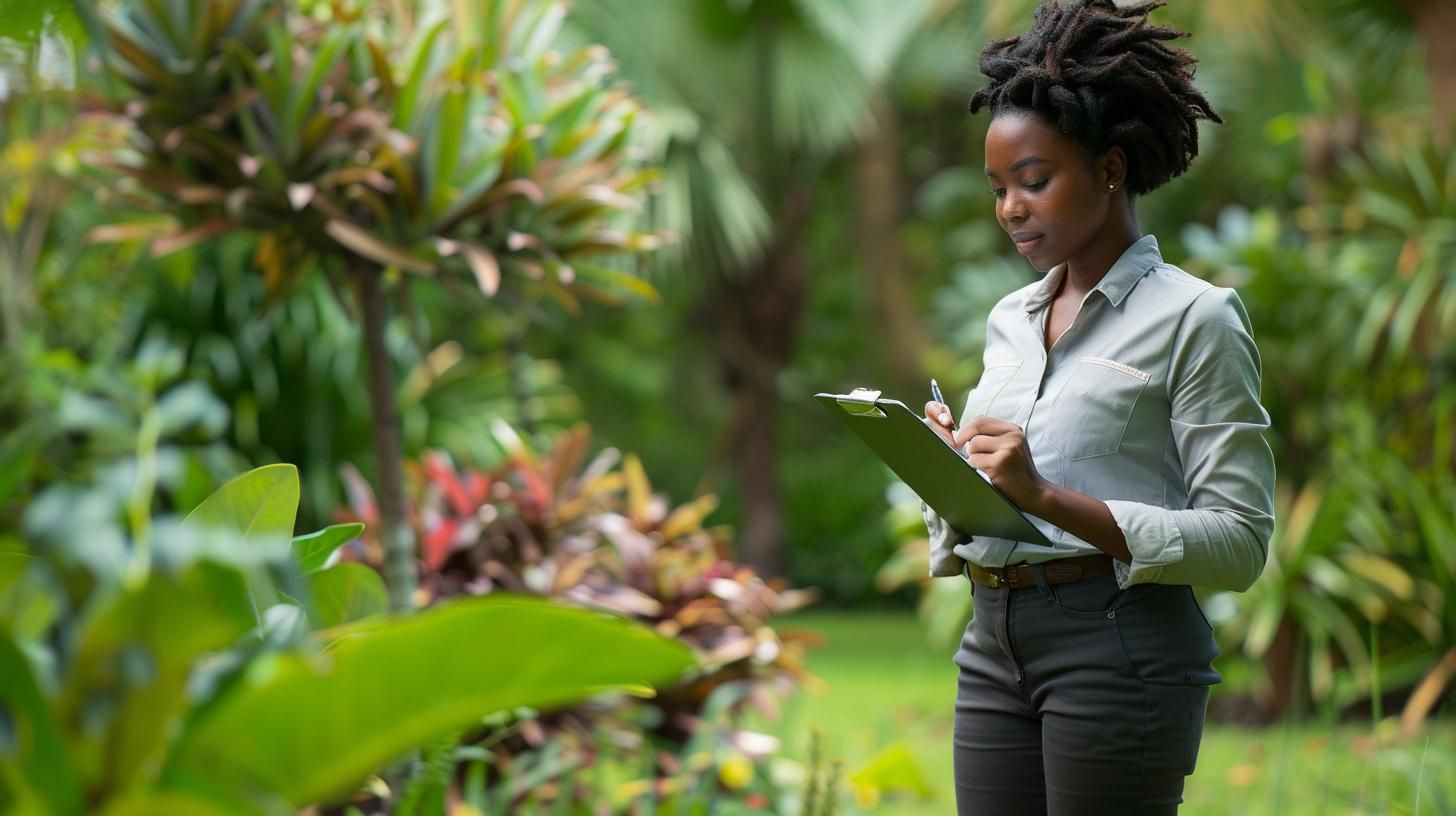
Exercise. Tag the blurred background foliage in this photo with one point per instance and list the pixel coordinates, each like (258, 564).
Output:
(813, 179)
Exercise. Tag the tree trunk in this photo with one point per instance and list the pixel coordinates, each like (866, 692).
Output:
(880, 210)
(1281, 671)
(1435, 23)
(399, 546)
(757, 455)
(756, 314)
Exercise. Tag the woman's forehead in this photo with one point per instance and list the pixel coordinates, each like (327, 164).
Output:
(1012, 138)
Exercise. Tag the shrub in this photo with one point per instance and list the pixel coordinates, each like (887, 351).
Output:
(594, 533)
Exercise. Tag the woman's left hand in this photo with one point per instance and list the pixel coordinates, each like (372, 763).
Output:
(998, 449)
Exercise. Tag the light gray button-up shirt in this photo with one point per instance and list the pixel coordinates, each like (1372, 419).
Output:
(1150, 402)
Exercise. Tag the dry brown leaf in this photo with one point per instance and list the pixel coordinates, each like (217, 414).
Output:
(484, 266)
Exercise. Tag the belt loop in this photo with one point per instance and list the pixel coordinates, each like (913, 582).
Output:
(1039, 573)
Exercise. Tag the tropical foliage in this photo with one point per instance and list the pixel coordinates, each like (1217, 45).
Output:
(373, 141)
(594, 533)
(289, 371)
(1366, 521)
(364, 238)
(754, 101)
(222, 665)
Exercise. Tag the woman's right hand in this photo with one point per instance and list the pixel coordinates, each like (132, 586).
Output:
(939, 417)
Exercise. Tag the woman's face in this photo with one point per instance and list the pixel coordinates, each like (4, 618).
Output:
(1050, 198)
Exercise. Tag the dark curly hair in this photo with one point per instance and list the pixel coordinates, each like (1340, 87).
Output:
(1105, 77)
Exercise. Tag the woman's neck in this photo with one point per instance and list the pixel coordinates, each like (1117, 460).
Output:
(1087, 268)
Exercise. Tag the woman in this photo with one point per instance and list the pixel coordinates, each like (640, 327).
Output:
(1119, 407)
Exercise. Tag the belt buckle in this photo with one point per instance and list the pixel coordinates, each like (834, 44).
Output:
(990, 578)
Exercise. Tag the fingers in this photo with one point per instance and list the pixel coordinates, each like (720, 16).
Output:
(981, 443)
(987, 462)
(988, 434)
(979, 460)
(939, 413)
(991, 425)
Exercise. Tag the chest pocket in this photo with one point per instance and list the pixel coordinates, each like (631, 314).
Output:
(1090, 414)
(993, 380)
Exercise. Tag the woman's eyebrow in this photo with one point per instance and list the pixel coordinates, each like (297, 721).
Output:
(1020, 163)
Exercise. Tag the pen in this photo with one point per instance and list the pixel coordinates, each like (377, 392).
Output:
(936, 395)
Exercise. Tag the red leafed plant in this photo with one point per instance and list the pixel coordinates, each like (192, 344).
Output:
(596, 534)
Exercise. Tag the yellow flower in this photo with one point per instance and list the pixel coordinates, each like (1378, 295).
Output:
(867, 795)
(20, 157)
(735, 772)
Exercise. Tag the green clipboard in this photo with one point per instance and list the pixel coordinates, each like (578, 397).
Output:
(943, 479)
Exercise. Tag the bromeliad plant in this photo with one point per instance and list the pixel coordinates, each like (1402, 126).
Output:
(225, 667)
(595, 534)
(442, 140)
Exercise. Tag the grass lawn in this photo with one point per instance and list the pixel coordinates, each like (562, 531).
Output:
(885, 686)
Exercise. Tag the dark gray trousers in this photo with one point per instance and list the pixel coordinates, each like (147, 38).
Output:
(1080, 698)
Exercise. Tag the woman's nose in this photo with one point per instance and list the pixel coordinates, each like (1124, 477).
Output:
(1013, 207)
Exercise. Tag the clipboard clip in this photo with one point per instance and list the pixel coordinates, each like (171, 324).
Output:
(860, 402)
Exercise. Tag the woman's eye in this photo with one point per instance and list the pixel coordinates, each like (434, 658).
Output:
(998, 191)
(1037, 185)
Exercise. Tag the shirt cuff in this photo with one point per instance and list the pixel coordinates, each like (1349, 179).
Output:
(944, 563)
(1153, 539)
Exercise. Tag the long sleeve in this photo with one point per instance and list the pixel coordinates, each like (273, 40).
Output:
(943, 561)
(1221, 538)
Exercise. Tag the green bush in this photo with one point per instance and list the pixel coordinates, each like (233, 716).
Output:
(591, 531)
(219, 665)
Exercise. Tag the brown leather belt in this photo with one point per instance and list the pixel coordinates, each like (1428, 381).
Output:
(1060, 571)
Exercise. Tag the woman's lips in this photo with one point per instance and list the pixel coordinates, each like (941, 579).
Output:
(1025, 241)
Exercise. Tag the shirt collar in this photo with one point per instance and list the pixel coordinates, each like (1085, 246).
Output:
(1135, 262)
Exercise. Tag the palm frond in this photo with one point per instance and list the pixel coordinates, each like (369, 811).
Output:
(871, 32)
(738, 95)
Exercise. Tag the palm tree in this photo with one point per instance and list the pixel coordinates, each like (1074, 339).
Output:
(426, 138)
(752, 101)
(1435, 24)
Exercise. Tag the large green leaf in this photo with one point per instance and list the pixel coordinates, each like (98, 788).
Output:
(310, 731)
(346, 593)
(312, 551)
(126, 688)
(259, 504)
(170, 804)
(35, 773)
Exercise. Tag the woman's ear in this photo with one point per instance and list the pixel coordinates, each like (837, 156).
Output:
(1113, 169)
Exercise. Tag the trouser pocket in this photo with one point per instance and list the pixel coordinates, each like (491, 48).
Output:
(1165, 636)
(1090, 597)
